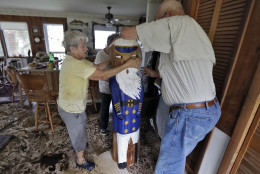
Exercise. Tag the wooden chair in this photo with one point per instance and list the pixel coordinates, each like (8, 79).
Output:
(11, 73)
(3, 78)
(92, 95)
(37, 90)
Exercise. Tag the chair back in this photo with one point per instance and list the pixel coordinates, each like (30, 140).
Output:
(35, 86)
(11, 73)
(2, 65)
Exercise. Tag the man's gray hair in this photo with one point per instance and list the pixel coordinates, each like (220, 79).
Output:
(72, 38)
(172, 4)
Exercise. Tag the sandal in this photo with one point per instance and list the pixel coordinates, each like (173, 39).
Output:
(87, 165)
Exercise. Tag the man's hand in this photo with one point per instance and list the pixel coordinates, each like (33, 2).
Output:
(129, 33)
(134, 62)
(149, 72)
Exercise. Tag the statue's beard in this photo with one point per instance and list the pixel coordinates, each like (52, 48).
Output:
(129, 83)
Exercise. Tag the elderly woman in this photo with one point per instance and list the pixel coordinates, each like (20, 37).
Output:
(74, 80)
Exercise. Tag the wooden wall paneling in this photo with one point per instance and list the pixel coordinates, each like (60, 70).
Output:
(247, 61)
(248, 158)
(34, 21)
(214, 20)
(236, 22)
(13, 19)
(228, 31)
(246, 117)
(189, 7)
(204, 14)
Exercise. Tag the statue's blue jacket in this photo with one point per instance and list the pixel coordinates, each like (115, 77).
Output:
(126, 110)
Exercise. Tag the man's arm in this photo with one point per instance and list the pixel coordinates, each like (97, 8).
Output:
(103, 65)
(150, 72)
(129, 33)
(104, 75)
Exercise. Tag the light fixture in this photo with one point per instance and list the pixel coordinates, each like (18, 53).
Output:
(109, 25)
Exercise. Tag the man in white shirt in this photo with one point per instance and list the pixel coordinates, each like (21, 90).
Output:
(186, 64)
(102, 56)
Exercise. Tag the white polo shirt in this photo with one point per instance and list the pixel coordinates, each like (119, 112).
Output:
(186, 61)
(102, 56)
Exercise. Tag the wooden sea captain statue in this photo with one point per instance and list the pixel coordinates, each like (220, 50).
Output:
(127, 98)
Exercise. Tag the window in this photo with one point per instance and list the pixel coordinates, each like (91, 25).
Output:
(53, 34)
(16, 38)
(101, 33)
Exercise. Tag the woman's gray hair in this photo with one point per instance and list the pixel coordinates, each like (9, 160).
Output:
(72, 38)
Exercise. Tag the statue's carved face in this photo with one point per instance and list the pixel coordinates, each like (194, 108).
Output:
(122, 50)
(121, 58)
(122, 53)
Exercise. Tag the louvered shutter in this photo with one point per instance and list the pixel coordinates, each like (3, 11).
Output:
(226, 38)
(205, 13)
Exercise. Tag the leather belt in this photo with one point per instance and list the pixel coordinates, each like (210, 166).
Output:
(195, 105)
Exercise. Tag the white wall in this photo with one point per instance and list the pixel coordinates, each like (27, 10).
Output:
(152, 6)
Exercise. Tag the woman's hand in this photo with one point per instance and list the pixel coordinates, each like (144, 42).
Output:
(149, 72)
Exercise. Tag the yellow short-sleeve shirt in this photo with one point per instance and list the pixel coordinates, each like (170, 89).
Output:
(73, 84)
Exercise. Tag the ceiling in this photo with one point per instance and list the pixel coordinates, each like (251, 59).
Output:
(124, 8)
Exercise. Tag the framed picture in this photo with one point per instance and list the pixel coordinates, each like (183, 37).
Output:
(35, 30)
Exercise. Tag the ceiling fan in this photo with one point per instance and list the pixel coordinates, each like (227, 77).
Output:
(109, 18)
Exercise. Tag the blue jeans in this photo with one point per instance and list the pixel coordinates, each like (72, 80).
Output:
(183, 130)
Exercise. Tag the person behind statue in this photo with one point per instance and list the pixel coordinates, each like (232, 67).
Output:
(73, 85)
(185, 66)
(127, 98)
(102, 56)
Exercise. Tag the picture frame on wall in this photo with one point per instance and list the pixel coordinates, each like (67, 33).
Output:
(35, 30)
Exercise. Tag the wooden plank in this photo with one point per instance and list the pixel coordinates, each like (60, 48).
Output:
(193, 10)
(226, 32)
(235, 15)
(224, 40)
(207, 12)
(215, 17)
(235, 23)
(228, 28)
(232, 2)
(247, 141)
(114, 146)
(246, 60)
(222, 44)
(223, 48)
(233, 12)
(236, 6)
(207, 3)
(195, 6)
(229, 20)
(246, 118)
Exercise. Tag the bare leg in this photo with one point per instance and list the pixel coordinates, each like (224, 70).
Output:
(80, 157)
